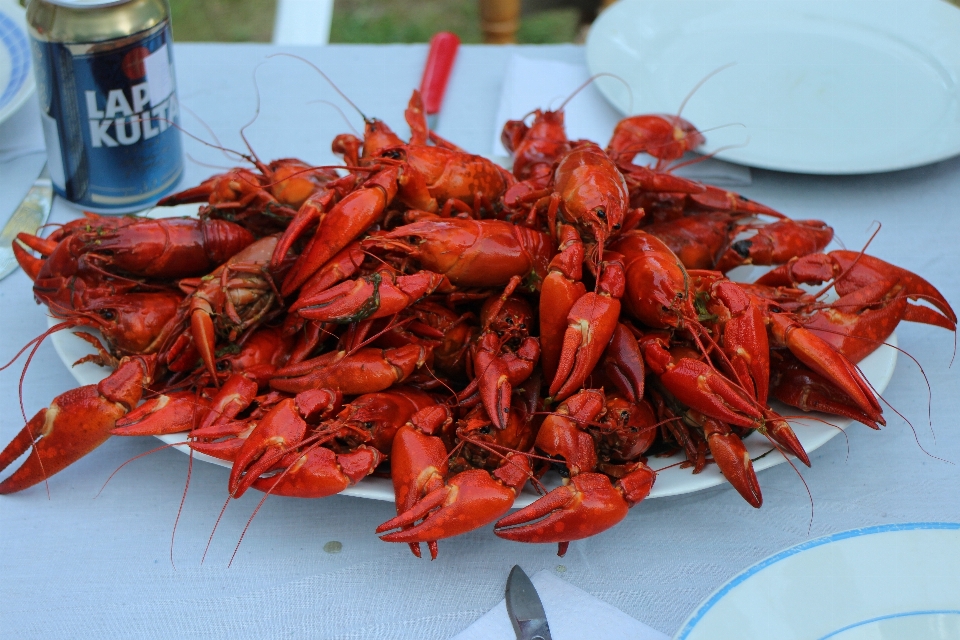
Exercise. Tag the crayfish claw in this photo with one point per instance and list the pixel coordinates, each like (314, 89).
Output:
(591, 323)
(319, 472)
(468, 501)
(799, 386)
(733, 459)
(170, 413)
(824, 359)
(30, 265)
(74, 424)
(783, 434)
(281, 430)
(585, 507)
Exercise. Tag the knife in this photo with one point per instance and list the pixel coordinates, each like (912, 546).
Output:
(443, 52)
(28, 217)
(525, 609)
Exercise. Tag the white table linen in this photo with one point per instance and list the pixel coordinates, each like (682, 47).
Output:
(80, 564)
(22, 134)
(572, 614)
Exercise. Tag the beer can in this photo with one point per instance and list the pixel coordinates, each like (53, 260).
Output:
(108, 100)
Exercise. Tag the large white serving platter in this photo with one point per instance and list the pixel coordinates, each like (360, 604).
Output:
(813, 432)
(889, 582)
(16, 79)
(813, 86)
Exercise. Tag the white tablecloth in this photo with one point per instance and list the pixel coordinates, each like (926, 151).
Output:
(78, 563)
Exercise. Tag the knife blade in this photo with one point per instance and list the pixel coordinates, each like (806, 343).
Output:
(436, 73)
(28, 217)
(525, 609)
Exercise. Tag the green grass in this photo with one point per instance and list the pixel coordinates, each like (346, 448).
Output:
(222, 20)
(361, 21)
(417, 20)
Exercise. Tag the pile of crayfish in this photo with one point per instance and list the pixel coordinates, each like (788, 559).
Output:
(422, 312)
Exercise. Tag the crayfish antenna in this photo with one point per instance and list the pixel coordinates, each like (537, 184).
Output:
(225, 150)
(213, 135)
(703, 81)
(325, 77)
(252, 158)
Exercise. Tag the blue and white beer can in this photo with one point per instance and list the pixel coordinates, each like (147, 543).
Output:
(108, 100)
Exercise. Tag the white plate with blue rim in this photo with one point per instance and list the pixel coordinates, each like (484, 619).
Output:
(808, 86)
(888, 582)
(16, 79)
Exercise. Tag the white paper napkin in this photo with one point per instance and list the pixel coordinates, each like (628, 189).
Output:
(573, 614)
(544, 84)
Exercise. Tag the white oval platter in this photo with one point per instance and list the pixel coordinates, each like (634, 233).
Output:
(813, 432)
(810, 86)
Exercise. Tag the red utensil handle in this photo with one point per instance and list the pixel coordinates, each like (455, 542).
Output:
(443, 51)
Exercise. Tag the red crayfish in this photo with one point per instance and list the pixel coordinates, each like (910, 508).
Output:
(423, 313)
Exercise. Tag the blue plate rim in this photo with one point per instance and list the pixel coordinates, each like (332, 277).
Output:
(707, 605)
(21, 84)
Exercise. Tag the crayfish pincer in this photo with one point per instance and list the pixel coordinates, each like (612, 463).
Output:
(75, 423)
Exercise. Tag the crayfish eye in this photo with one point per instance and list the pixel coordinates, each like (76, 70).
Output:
(523, 325)
(394, 154)
(223, 365)
(742, 247)
(485, 430)
(624, 414)
(601, 214)
(616, 227)
(107, 314)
